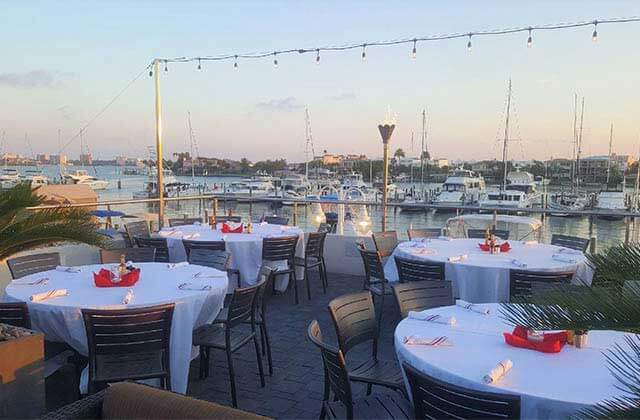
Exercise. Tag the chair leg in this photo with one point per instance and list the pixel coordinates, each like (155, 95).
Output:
(207, 366)
(292, 275)
(259, 358)
(323, 276)
(369, 387)
(262, 345)
(202, 362)
(306, 279)
(381, 310)
(267, 344)
(167, 380)
(232, 378)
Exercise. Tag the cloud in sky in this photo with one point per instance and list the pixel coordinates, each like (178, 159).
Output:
(284, 104)
(32, 79)
(345, 96)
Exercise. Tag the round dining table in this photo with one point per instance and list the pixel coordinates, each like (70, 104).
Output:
(481, 277)
(60, 318)
(550, 385)
(245, 248)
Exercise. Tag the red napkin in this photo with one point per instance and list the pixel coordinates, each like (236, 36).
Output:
(551, 342)
(484, 247)
(505, 247)
(226, 228)
(103, 278)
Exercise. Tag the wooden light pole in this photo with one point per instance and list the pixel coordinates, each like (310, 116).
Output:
(159, 154)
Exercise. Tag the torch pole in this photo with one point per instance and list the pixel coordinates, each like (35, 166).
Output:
(385, 183)
(159, 154)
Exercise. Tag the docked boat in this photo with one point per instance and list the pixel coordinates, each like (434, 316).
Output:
(9, 178)
(36, 177)
(520, 193)
(296, 182)
(563, 202)
(462, 187)
(611, 202)
(249, 189)
(82, 177)
(411, 204)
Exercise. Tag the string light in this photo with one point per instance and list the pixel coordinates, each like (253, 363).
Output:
(199, 64)
(165, 66)
(275, 60)
(412, 40)
(150, 73)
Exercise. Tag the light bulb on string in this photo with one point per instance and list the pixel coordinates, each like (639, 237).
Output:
(469, 46)
(165, 66)
(364, 52)
(529, 40)
(318, 56)
(594, 36)
(235, 62)
(199, 64)
(275, 60)
(150, 73)
(414, 52)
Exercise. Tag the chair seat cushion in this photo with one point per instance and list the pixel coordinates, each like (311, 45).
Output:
(214, 336)
(380, 406)
(380, 372)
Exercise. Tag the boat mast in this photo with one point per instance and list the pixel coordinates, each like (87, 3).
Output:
(609, 159)
(579, 152)
(411, 164)
(506, 139)
(193, 169)
(575, 141)
(307, 136)
(422, 149)
(81, 149)
(637, 182)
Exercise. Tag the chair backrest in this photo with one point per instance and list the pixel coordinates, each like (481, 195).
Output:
(15, 313)
(315, 244)
(573, 242)
(325, 227)
(182, 221)
(35, 263)
(335, 370)
(424, 233)
(242, 305)
(372, 261)
(418, 270)
(277, 220)
(521, 282)
(138, 229)
(421, 295)
(208, 245)
(160, 244)
(479, 233)
(220, 260)
(128, 333)
(225, 219)
(354, 317)
(433, 398)
(110, 256)
(385, 242)
(279, 248)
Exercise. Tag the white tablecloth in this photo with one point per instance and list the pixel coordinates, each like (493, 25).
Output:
(245, 248)
(60, 318)
(484, 277)
(551, 386)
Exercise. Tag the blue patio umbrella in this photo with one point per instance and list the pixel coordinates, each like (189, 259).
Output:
(107, 213)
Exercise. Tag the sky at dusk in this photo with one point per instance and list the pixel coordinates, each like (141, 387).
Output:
(63, 62)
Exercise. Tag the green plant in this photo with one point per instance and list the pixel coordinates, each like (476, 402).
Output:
(22, 229)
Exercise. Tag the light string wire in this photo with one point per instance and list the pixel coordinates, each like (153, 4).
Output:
(413, 41)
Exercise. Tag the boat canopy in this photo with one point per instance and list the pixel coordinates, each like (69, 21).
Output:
(519, 227)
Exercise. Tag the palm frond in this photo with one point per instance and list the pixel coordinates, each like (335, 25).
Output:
(616, 265)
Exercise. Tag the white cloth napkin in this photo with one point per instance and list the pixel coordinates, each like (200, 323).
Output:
(570, 251)
(39, 297)
(191, 236)
(456, 258)
(67, 269)
(438, 319)
(444, 238)
(413, 340)
(498, 372)
(210, 275)
(193, 286)
(171, 266)
(128, 298)
(472, 307)
(40, 282)
(418, 244)
(530, 242)
(564, 258)
(519, 263)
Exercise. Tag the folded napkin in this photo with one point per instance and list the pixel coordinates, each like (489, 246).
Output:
(530, 242)
(456, 258)
(418, 244)
(551, 342)
(39, 297)
(231, 227)
(570, 251)
(413, 340)
(519, 263)
(422, 251)
(472, 307)
(192, 286)
(39, 282)
(128, 298)
(171, 266)
(210, 275)
(438, 319)
(564, 258)
(68, 269)
(444, 238)
(191, 236)
(498, 372)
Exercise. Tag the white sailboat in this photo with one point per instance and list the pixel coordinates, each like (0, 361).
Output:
(610, 200)
(462, 187)
(81, 176)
